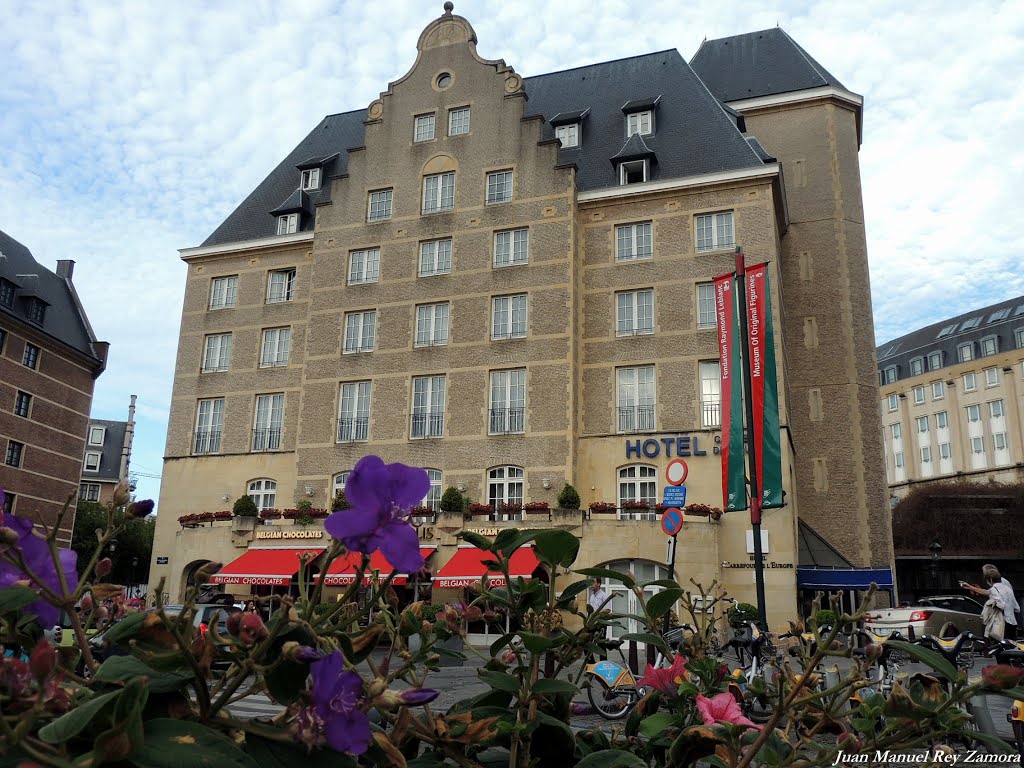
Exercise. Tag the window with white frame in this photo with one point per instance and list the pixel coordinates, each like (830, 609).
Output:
(354, 412)
(918, 395)
(217, 352)
(499, 187)
(263, 492)
(275, 347)
(938, 390)
(896, 430)
(505, 488)
(970, 382)
(432, 324)
(89, 492)
(989, 346)
(281, 286)
(288, 224)
(511, 247)
(991, 377)
(999, 441)
(424, 128)
(339, 483)
(634, 312)
(917, 366)
(941, 420)
(223, 292)
(706, 315)
(934, 360)
(433, 497)
(209, 425)
(945, 450)
(92, 461)
(898, 459)
(360, 331)
(633, 241)
(428, 398)
(710, 393)
(995, 409)
(639, 122)
(1018, 336)
(636, 399)
(435, 257)
(439, 192)
(926, 454)
(507, 413)
(458, 121)
(965, 352)
(266, 434)
(638, 492)
(96, 435)
(922, 424)
(889, 375)
(509, 317)
(311, 179)
(379, 205)
(977, 445)
(634, 171)
(974, 413)
(568, 134)
(625, 602)
(893, 402)
(364, 266)
(715, 231)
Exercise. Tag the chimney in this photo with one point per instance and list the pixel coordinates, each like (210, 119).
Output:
(65, 268)
(129, 434)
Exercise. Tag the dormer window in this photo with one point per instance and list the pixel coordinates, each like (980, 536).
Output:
(36, 311)
(569, 135)
(288, 224)
(311, 179)
(634, 172)
(6, 293)
(640, 122)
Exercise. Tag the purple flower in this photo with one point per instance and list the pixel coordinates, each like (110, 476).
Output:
(140, 508)
(382, 496)
(337, 694)
(36, 554)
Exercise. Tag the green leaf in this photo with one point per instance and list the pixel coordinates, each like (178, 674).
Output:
(176, 743)
(668, 583)
(275, 754)
(926, 656)
(646, 638)
(655, 724)
(610, 758)
(70, 725)
(663, 601)
(478, 541)
(127, 628)
(603, 573)
(500, 643)
(994, 743)
(538, 643)
(120, 669)
(440, 650)
(288, 679)
(508, 541)
(1010, 693)
(550, 685)
(16, 598)
(556, 547)
(500, 681)
(570, 592)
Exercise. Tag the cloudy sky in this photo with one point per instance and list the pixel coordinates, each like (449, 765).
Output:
(129, 130)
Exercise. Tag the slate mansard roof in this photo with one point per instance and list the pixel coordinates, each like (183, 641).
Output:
(1001, 320)
(110, 452)
(694, 133)
(64, 319)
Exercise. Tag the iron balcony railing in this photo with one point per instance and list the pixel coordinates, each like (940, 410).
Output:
(353, 429)
(636, 418)
(266, 439)
(711, 413)
(427, 425)
(206, 441)
(505, 421)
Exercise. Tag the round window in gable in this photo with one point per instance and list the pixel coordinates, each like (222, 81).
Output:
(444, 80)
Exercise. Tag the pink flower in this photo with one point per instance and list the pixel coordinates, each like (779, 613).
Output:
(722, 708)
(665, 680)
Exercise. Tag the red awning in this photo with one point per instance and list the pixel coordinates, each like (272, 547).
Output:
(343, 570)
(467, 567)
(274, 567)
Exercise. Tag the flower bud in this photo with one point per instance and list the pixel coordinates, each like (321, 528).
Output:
(296, 652)
(42, 660)
(104, 566)
(114, 745)
(414, 697)
(1002, 676)
(140, 509)
(102, 613)
(8, 537)
(234, 622)
(121, 493)
(473, 613)
(87, 603)
(251, 629)
(106, 591)
(872, 651)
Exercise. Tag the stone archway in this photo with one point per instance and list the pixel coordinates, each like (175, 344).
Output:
(188, 576)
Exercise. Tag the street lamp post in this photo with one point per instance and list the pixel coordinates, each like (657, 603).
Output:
(936, 549)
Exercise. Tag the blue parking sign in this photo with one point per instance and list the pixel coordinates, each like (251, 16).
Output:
(675, 496)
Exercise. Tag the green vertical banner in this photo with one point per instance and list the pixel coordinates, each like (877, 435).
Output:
(764, 391)
(734, 488)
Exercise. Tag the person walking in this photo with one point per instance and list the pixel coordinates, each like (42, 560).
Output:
(598, 597)
(1000, 599)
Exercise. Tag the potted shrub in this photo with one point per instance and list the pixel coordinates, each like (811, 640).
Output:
(451, 501)
(246, 514)
(568, 498)
(340, 502)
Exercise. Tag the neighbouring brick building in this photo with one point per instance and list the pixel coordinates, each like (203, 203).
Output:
(108, 454)
(49, 362)
(508, 281)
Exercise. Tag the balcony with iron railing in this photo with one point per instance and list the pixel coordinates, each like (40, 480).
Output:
(637, 418)
(206, 441)
(507, 421)
(426, 425)
(266, 440)
(353, 429)
(711, 413)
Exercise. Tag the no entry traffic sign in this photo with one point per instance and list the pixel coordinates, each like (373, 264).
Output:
(676, 472)
(672, 521)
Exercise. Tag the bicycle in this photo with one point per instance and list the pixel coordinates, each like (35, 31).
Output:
(612, 688)
(1012, 653)
(762, 651)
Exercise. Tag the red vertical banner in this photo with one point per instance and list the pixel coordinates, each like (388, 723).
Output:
(734, 492)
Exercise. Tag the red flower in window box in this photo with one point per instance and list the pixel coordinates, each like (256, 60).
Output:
(637, 505)
(510, 509)
(224, 514)
(697, 510)
(421, 510)
(601, 506)
(270, 514)
(481, 509)
(317, 514)
(187, 519)
(204, 517)
(537, 506)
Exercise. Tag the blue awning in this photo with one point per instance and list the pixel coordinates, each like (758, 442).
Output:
(843, 578)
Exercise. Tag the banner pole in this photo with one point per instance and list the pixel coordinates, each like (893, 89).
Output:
(755, 497)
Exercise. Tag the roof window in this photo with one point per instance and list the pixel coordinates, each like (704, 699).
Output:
(974, 322)
(998, 315)
(946, 331)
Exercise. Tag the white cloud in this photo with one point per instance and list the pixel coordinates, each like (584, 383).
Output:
(132, 129)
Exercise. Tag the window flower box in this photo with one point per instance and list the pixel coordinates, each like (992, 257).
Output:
(537, 507)
(481, 509)
(702, 510)
(646, 506)
(509, 509)
(270, 514)
(601, 506)
(422, 510)
(224, 514)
